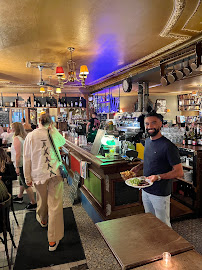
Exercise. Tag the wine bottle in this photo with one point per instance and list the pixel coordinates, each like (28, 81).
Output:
(34, 101)
(185, 139)
(80, 102)
(194, 140)
(16, 101)
(1, 100)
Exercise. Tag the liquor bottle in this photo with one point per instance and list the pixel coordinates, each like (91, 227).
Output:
(65, 101)
(16, 101)
(34, 101)
(189, 139)
(76, 103)
(194, 140)
(71, 104)
(1, 100)
(59, 102)
(80, 102)
(38, 103)
(29, 102)
(185, 139)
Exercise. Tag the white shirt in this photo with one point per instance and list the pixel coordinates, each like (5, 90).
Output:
(39, 159)
(7, 137)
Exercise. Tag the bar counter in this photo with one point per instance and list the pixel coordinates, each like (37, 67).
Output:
(104, 194)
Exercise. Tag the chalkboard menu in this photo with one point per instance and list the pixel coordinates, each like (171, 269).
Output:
(74, 190)
(4, 118)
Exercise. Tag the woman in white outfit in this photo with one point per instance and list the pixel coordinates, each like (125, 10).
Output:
(41, 167)
(17, 158)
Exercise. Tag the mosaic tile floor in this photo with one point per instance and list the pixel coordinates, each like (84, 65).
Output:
(97, 253)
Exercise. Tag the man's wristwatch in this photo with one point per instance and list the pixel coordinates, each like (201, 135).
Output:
(159, 177)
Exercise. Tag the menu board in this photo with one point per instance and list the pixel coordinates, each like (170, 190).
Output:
(74, 190)
(4, 118)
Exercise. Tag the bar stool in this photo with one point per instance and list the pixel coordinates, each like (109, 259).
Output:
(5, 225)
(9, 185)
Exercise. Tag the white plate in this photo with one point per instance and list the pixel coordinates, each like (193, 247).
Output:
(141, 178)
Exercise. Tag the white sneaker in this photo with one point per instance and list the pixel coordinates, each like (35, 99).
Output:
(53, 248)
(42, 225)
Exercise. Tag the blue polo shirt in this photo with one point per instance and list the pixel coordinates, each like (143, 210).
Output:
(159, 157)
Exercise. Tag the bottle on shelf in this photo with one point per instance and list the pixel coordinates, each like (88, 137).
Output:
(29, 102)
(34, 100)
(76, 103)
(38, 103)
(194, 140)
(189, 139)
(1, 100)
(71, 104)
(80, 102)
(16, 101)
(59, 104)
(65, 101)
(185, 139)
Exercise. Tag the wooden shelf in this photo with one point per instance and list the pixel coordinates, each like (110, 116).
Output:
(182, 179)
(191, 105)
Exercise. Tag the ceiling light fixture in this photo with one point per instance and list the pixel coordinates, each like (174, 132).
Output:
(71, 75)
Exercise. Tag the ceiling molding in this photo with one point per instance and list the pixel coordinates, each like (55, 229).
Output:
(194, 12)
(154, 61)
(128, 70)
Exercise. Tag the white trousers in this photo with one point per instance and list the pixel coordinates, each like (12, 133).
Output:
(159, 206)
(50, 206)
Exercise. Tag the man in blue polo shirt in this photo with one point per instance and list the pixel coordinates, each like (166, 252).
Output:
(161, 164)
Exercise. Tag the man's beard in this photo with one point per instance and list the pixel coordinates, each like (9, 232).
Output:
(154, 133)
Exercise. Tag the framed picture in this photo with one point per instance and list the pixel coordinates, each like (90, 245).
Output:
(161, 106)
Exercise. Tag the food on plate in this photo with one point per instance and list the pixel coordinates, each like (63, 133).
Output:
(138, 182)
(127, 174)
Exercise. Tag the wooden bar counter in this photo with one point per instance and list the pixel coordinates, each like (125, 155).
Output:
(104, 194)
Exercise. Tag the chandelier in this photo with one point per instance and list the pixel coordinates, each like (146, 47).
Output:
(71, 75)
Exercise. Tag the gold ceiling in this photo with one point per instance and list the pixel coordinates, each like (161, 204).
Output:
(111, 37)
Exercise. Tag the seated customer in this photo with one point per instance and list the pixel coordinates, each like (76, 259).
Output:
(7, 170)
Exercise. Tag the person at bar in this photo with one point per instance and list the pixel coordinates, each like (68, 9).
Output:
(92, 127)
(41, 167)
(17, 158)
(161, 164)
(7, 137)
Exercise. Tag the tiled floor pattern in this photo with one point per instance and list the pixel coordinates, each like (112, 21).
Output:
(97, 253)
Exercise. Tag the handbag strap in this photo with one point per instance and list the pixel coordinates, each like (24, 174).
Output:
(51, 140)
